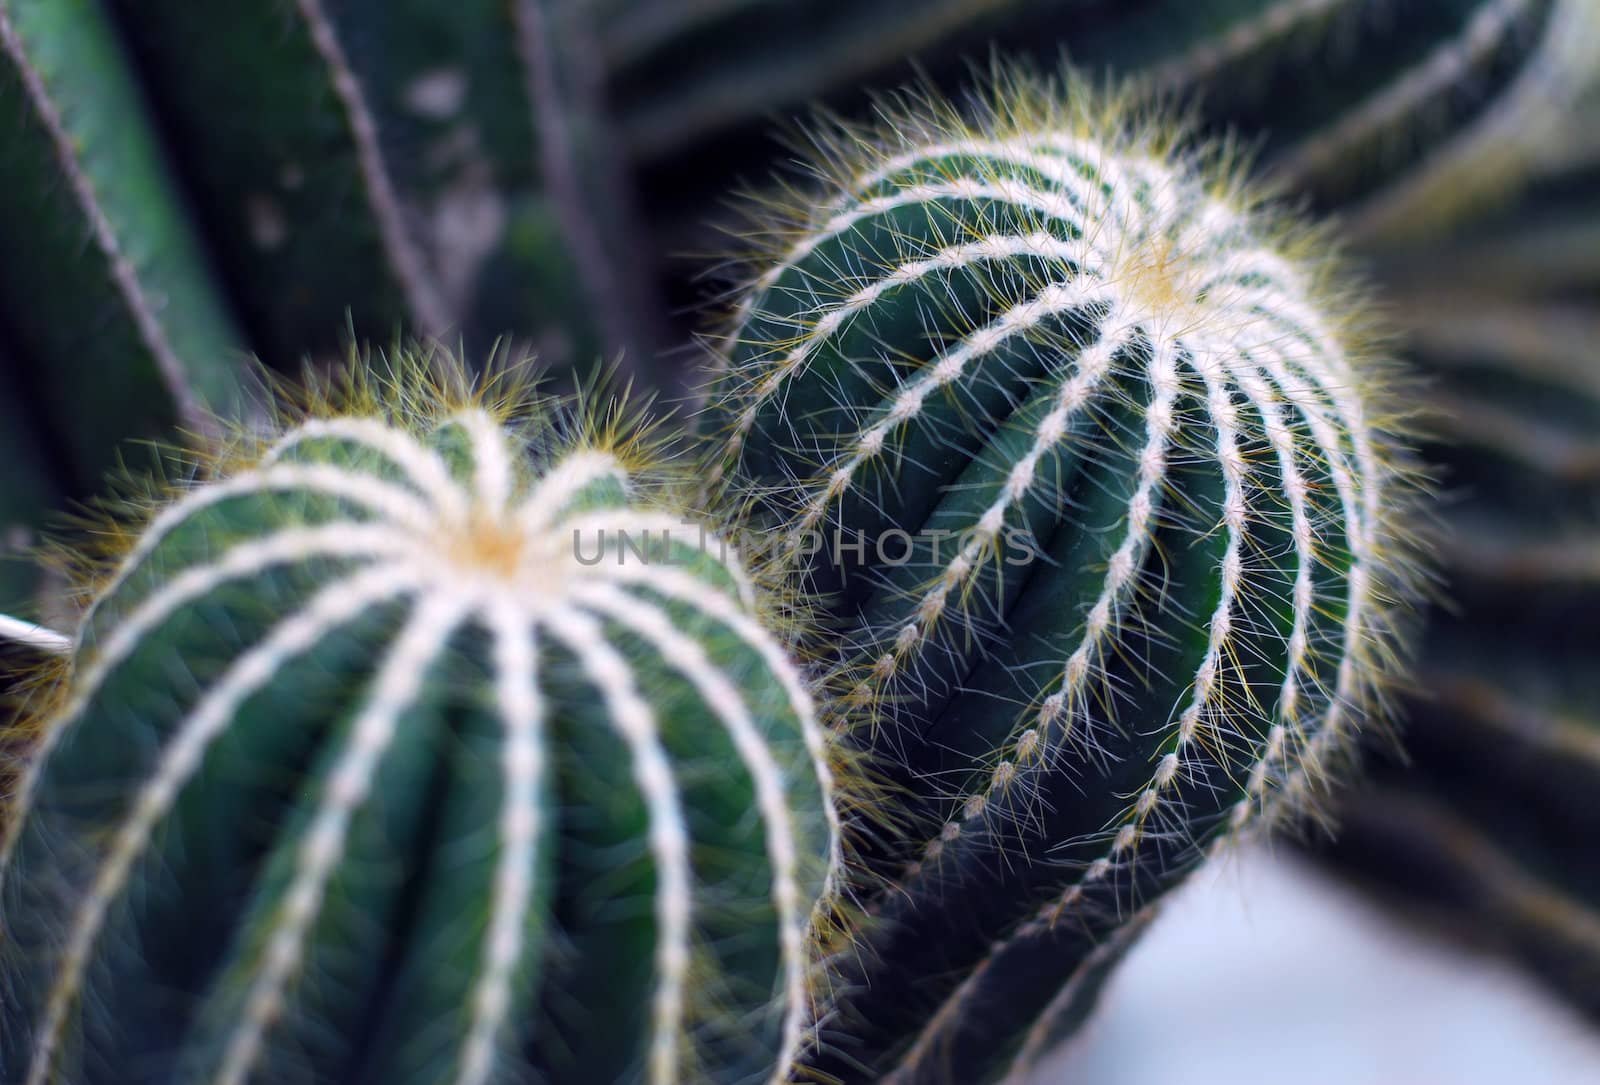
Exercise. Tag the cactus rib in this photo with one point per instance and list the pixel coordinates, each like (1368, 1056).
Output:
(406, 257)
(1523, 131)
(593, 253)
(1053, 322)
(453, 561)
(303, 203)
(79, 144)
(1275, 22)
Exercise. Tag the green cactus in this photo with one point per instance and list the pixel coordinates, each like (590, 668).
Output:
(1395, 113)
(409, 162)
(196, 183)
(385, 758)
(1485, 829)
(193, 185)
(1082, 450)
(106, 299)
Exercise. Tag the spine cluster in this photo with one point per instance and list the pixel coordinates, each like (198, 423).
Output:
(1052, 332)
(362, 773)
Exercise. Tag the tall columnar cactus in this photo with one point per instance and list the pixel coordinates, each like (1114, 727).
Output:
(1083, 451)
(1486, 827)
(417, 750)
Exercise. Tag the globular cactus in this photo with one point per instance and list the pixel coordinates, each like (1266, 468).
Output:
(430, 745)
(1083, 451)
(1485, 828)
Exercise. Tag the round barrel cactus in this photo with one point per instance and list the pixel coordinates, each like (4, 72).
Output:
(433, 745)
(1085, 455)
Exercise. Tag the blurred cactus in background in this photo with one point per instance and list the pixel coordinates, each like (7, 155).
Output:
(1084, 455)
(194, 184)
(201, 183)
(430, 165)
(1484, 827)
(111, 321)
(1394, 112)
(433, 796)
(1099, 344)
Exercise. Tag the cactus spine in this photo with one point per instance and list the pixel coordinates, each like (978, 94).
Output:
(384, 758)
(1115, 425)
(91, 203)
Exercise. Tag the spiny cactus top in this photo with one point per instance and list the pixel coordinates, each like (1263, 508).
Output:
(1083, 446)
(417, 751)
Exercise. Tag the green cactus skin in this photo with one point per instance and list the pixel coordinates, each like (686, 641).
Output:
(366, 773)
(397, 165)
(293, 182)
(1485, 830)
(1051, 332)
(31, 491)
(1394, 113)
(106, 300)
(322, 171)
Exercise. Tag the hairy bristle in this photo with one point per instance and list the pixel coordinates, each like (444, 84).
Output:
(422, 597)
(1086, 450)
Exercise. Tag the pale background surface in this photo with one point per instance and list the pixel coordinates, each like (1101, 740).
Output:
(1264, 972)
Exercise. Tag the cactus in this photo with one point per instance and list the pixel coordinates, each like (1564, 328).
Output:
(1399, 114)
(384, 758)
(1082, 448)
(405, 162)
(194, 184)
(1485, 829)
(113, 312)
(275, 176)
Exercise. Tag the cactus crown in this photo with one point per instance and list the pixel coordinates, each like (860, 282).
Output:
(417, 656)
(1085, 446)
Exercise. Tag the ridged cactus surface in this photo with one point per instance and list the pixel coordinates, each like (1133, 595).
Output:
(1485, 827)
(111, 324)
(440, 166)
(1398, 113)
(1084, 454)
(384, 758)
